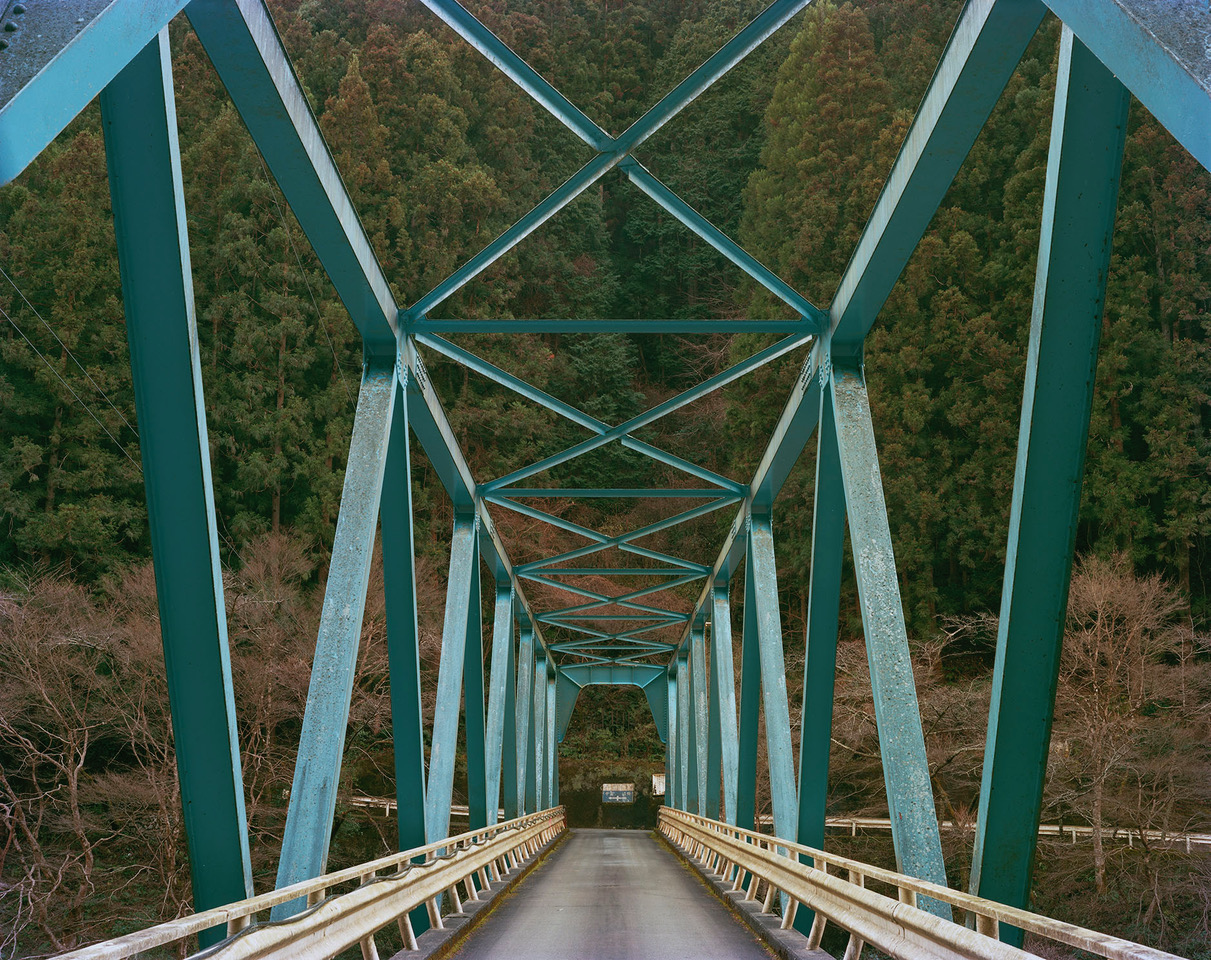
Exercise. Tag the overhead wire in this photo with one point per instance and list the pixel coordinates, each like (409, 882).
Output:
(67, 350)
(50, 366)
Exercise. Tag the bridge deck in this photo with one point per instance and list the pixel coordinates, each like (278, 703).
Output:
(611, 895)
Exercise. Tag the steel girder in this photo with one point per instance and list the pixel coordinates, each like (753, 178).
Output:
(1156, 52)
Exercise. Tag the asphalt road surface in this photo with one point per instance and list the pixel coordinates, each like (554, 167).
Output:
(611, 895)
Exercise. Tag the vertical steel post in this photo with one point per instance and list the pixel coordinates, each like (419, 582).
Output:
(527, 788)
(322, 741)
(750, 704)
(820, 656)
(1083, 170)
(539, 737)
(403, 635)
(509, 779)
(552, 741)
(671, 758)
(701, 705)
(473, 706)
(723, 700)
(910, 800)
(684, 713)
(761, 588)
(140, 126)
(692, 784)
(462, 583)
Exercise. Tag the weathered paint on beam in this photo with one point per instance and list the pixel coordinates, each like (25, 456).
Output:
(750, 706)
(1083, 170)
(901, 741)
(723, 697)
(143, 155)
(498, 687)
(322, 741)
(699, 719)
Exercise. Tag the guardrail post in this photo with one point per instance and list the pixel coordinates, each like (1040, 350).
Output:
(143, 156)
(915, 835)
(1080, 196)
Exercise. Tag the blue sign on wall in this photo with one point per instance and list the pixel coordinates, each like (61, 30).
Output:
(618, 793)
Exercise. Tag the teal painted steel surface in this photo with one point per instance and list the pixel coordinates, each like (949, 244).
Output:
(658, 701)
(699, 720)
(527, 793)
(473, 704)
(685, 710)
(403, 634)
(723, 708)
(1158, 51)
(820, 641)
(551, 743)
(511, 778)
(1081, 192)
(672, 755)
(901, 741)
(761, 592)
(750, 703)
(77, 50)
(692, 742)
(539, 734)
(462, 585)
(498, 687)
(139, 122)
(322, 741)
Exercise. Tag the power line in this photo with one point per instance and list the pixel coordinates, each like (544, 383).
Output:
(50, 366)
(67, 350)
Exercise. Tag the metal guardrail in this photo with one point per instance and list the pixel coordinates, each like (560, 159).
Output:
(835, 888)
(386, 891)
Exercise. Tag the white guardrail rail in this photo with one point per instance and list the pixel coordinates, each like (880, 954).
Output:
(835, 888)
(384, 891)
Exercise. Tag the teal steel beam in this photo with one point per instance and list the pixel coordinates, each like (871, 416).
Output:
(690, 766)
(539, 734)
(656, 691)
(716, 238)
(985, 47)
(512, 782)
(527, 796)
(403, 634)
(820, 642)
(520, 72)
(55, 65)
(910, 800)
(714, 745)
(681, 327)
(322, 740)
(723, 697)
(473, 705)
(1080, 195)
(242, 43)
(461, 592)
(566, 694)
(761, 595)
(502, 659)
(583, 674)
(685, 711)
(1158, 51)
(794, 428)
(699, 718)
(143, 156)
(650, 416)
(652, 493)
(750, 703)
(671, 754)
(552, 743)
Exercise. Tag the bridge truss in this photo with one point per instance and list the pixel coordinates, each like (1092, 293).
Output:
(51, 69)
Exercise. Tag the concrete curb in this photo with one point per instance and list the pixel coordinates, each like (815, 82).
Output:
(435, 944)
(787, 944)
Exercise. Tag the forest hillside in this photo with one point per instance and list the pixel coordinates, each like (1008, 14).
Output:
(441, 153)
